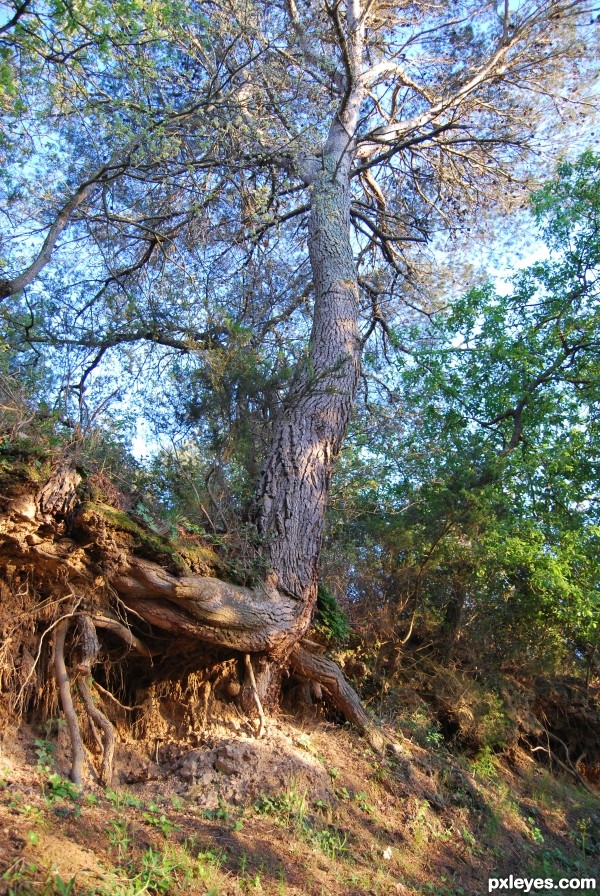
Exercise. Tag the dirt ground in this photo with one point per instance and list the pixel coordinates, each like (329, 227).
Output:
(307, 809)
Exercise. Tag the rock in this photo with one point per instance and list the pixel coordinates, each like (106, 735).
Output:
(227, 760)
(233, 688)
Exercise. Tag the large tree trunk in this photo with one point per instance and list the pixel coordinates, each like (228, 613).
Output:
(267, 621)
(308, 434)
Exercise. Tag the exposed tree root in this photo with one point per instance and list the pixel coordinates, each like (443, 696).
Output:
(124, 633)
(66, 699)
(98, 717)
(262, 724)
(328, 674)
(89, 651)
(251, 620)
(262, 623)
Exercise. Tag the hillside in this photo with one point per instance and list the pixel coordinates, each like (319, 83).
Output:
(305, 810)
(485, 775)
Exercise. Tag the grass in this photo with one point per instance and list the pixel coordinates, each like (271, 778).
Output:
(370, 833)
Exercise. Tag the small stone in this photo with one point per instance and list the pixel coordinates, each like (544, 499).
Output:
(233, 688)
(226, 765)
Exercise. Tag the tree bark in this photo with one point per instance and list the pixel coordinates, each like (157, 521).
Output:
(307, 436)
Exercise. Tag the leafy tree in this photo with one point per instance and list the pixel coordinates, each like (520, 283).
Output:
(484, 518)
(183, 177)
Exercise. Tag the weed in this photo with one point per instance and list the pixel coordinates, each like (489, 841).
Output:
(209, 857)
(484, 766)
(121, 800)
(434, 737)
(221, 813)
(420, 825)
(44, 750)
(27, 880)
(61, 887)
(362, 799)
(118, 836)
(468, 838)
(160, 871)
(61, 789)
(289, 808)
(162, 822)
(586, 837)
(330, 841)
(291, 811)
(534, 831)
(31, 812)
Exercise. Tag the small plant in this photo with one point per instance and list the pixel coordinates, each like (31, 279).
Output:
(330, 841)
(62, 887)
(434, 737)
(362, 799)
(121, 800)
(160, 872)
(61, 789)
(118, 836)
(44, 750)
(162, 822)
(31, 812)
(26, 880)
(585, 837)
(289, 808)
(485, 764)
(221, 813)
(534, 831)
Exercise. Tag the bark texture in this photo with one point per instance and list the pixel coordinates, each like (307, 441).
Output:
(309, 432)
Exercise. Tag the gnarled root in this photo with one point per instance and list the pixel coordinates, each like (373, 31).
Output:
(66, 699)
(89, 650)
(328, 674)
(262, 724)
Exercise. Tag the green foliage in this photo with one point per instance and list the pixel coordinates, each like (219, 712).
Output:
(474, 509)
(59, 788)
(292, 810)
(485, 764)
(44, 750)
(330, 619)
(159, 820)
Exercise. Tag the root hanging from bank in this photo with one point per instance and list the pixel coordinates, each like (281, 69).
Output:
(262, 722)
(319, 668)
(90, 647)
(66, 699)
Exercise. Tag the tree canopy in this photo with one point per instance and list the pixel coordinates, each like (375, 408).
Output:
(242, 221)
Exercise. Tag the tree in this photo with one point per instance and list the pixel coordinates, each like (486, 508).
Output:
(364, 123)
(483, 517)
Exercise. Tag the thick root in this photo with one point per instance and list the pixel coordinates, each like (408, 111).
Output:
(89, 652)
(66, 699)
(328, 674)
(98, 717)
